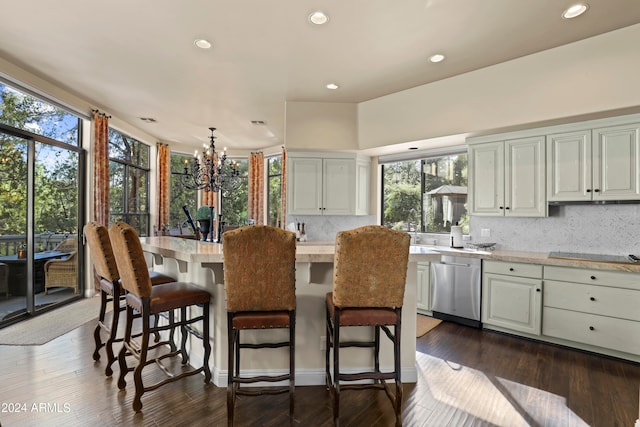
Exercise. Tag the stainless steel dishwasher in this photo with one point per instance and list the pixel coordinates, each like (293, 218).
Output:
(455, 287)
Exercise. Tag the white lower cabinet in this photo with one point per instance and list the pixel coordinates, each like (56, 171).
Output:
(512, 297)
(423, 299)
(593, 307)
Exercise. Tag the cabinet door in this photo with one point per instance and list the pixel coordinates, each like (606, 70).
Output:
(423, 299)
(616, 161)
(304, 186)
(486, 182)
(525, 177)
(569, 166)
(362, 187)
(513, 303)
(339, 184)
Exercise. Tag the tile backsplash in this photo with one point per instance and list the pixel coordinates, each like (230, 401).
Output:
(325, 227)
(603, 229)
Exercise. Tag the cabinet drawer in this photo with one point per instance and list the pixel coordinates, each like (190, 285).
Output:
(614, 302)
(601, 331)
(596, 277)
(513, 269)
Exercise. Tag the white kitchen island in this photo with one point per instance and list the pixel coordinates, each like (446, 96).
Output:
(202, 263)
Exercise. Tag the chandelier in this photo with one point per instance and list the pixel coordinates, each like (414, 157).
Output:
(211, 171)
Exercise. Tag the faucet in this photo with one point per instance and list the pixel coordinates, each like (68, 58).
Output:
(412, 215)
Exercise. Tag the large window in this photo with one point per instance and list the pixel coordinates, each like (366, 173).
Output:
(180, 194)
(426, 195)
(274, 189)
(129, 181)
(235, 203)
(41, 200)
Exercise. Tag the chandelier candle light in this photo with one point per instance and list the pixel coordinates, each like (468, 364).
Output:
(211, 171)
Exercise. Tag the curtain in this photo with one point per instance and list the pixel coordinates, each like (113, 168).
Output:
(100, 167)
(164, 184)
(283, 190)
(256, 187)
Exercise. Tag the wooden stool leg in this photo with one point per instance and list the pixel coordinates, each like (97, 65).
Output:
(206, 343)
(231, 395)
(96, 332)
(292, 362)
(336, 368)
(183, 330)
(137, 373)
(112, 336)
(122, 356)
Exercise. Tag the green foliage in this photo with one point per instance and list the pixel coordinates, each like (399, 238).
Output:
(180, 195)
(56, 169)
(204, 212)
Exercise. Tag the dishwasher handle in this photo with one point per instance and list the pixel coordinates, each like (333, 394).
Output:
(456, 264)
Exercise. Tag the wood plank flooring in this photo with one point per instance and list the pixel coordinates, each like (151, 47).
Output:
(466, 377)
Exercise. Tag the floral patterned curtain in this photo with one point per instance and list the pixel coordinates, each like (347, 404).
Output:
(283, 190)
(101, 167)
(164, 184)
(256, 187)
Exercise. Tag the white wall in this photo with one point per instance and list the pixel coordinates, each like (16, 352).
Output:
(321, 126)
(590, 76)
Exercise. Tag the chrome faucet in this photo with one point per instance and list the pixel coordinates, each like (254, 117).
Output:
(412, 215)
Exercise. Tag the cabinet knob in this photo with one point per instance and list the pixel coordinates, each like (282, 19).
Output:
(511, 269)
(591, 328)
(500, 207)
(507, 208)
(592, 299)
(596, 190)
(537, 289)
(588, 190)
(593, 277)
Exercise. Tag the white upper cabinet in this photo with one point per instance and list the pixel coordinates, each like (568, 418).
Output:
(507, 178)
(323, 185)
(599, 164)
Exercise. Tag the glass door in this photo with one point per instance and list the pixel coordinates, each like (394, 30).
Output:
(14, 258)
(55, 225)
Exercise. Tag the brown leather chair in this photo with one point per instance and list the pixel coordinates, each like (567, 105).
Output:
(149, 300)
(108, 279)
(370, 268)
(259, 277)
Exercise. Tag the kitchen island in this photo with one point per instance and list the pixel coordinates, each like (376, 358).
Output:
(202, 263)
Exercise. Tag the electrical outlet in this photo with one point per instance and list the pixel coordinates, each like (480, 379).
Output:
(323, 343)
(485, 232)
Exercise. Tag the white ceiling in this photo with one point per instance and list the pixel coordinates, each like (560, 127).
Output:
(137, 59)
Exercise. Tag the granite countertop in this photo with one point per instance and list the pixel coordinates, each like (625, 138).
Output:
(206, 252)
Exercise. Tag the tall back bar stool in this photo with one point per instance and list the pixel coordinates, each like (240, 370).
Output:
(107, 276)
(259, 277)
(370, 268)
(149, 300)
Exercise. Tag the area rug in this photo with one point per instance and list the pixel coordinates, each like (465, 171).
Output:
(43, 328)
(424, 324)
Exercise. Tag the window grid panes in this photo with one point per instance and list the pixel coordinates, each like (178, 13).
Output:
(426, 195)
(129, 181)
(181, 195)
(274, 188)
(26, 112)
(235, 204)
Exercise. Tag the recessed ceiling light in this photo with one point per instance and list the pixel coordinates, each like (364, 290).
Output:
(318, 18)
(436, 58)
(202, 43)
(575, 10)
(332, 86)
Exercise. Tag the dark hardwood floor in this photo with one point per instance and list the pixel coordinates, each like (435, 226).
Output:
(467, 377)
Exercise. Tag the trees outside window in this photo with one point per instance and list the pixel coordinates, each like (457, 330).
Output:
(235, 203)
(180, 194)
(426, 195)
(274, 188)
(129, 181)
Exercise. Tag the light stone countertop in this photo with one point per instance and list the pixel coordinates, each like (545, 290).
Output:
(206, 252)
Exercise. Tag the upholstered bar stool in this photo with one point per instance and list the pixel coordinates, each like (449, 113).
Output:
(259, 277)
(149, 300)
(107, 276)
(370, 268)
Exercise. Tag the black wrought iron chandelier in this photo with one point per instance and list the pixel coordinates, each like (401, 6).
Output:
(210, 170)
